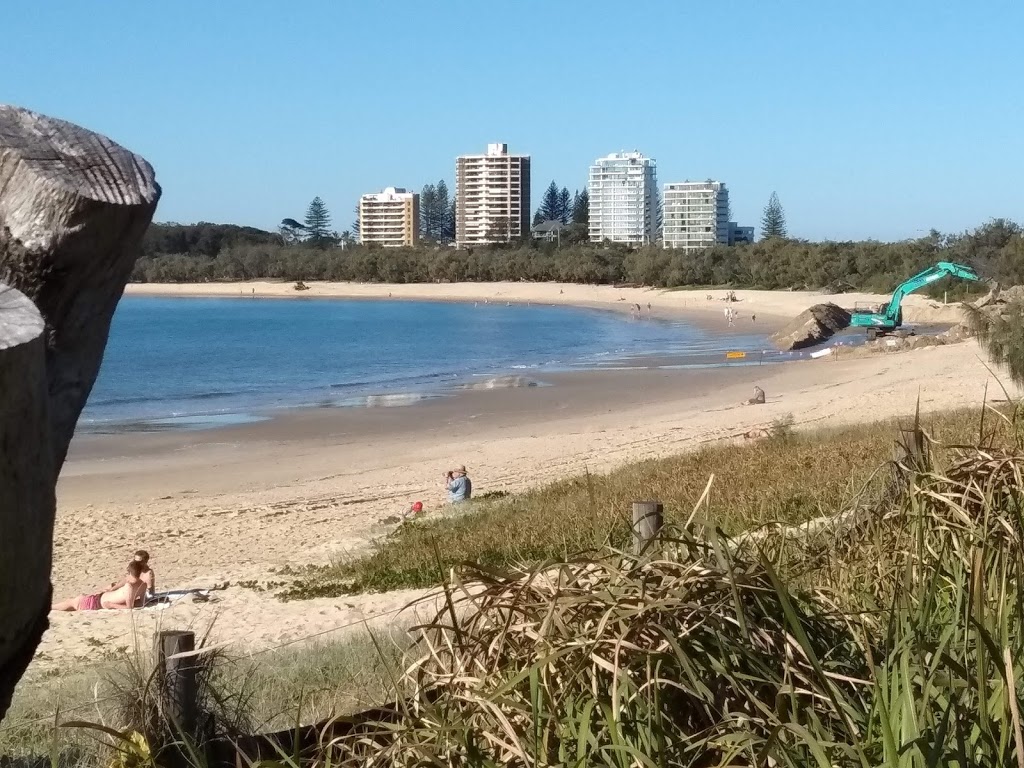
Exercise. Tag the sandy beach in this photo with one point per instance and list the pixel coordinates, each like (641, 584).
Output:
(238, 503)
(774, 305)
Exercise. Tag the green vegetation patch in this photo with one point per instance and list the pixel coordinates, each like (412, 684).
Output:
(788, 478)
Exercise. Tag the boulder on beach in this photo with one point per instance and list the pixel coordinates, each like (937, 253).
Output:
(812, 326)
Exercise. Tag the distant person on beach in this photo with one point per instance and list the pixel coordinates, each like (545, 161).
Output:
(129, 595)
(148, 577)
(757, 399)
(458, 485)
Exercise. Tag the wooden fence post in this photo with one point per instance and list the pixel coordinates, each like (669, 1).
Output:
(913, 450)
(177, 678)
(648, 517)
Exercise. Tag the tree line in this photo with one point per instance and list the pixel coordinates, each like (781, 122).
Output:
(209, 252)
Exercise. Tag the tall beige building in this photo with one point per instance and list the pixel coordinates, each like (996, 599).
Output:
(695, 215)
(390, 218)
(492, 197)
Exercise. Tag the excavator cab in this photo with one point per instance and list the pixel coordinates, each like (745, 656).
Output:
(866, 308)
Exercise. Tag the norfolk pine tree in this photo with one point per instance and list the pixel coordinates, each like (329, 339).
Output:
(773, 221)
(428, 201)
(549, 207)
(564, 206)
(318, 222)
(449, 223)
(581, 208)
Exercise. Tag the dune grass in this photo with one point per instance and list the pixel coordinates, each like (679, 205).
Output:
(908, 652)
(788, 478)
(264, 692)
(892, 637)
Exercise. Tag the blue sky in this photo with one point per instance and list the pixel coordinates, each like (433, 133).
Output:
(870, 119)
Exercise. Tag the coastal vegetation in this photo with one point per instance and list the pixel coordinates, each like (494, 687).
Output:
(207, 252)
(787, 479)
(889, 636)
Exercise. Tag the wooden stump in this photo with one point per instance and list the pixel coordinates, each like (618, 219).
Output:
(79, 204)
(26, 488)
(648, 517)
(177, 678)
(73, 209)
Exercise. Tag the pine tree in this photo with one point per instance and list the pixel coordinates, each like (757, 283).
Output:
(448, 235)
(442, 206)
(581, 208)
(318, 221)
(537, 218)
(564, 205)
(549, 205)
(428, 202)
(773, 221)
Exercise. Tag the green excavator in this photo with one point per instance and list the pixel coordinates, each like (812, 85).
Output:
(879, 320)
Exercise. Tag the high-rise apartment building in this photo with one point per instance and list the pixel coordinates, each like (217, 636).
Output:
(695, 214)
(390, 218)
(623, 190)
(492, 197)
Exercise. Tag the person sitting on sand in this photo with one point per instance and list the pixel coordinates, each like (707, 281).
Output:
(458, 485)
(129, 595)
(757, 399)
(148, 576)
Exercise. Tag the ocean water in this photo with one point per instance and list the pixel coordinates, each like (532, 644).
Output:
(202, 362)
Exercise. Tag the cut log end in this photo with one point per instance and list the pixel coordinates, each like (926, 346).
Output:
(20, 321)
(66, 156)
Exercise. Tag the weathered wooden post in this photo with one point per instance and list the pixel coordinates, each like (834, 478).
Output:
(910, 457)
(177, 671)
(73, 209)
(648, 517)
(912, 450)
(27, 501)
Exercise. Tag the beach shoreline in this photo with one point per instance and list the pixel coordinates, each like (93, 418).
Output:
(239, 503)
(773, 308)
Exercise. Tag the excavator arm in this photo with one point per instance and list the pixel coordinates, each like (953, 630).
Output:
(892, 310)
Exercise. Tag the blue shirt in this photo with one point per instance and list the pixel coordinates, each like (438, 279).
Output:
(459, 489)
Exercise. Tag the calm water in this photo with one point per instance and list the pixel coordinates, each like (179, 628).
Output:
(202, 362)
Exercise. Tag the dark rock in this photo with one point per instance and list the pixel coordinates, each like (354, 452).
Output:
(812, 326)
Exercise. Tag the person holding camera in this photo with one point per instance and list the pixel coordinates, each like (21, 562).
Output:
(458, 485)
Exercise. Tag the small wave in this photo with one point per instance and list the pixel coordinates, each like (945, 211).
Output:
(503, 382)
(395, 380)
(395, 400)
(147, 399)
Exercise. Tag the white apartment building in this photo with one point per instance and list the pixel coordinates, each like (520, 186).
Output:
(390, 218)
(492, 197)
(695, 214)
(623, 190)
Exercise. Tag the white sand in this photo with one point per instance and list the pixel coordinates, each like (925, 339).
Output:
(778, 304)
(232, 506)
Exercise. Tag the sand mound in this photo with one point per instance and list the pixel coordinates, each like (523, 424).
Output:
(812, 326)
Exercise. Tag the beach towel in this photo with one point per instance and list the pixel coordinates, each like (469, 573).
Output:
(163, 599)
